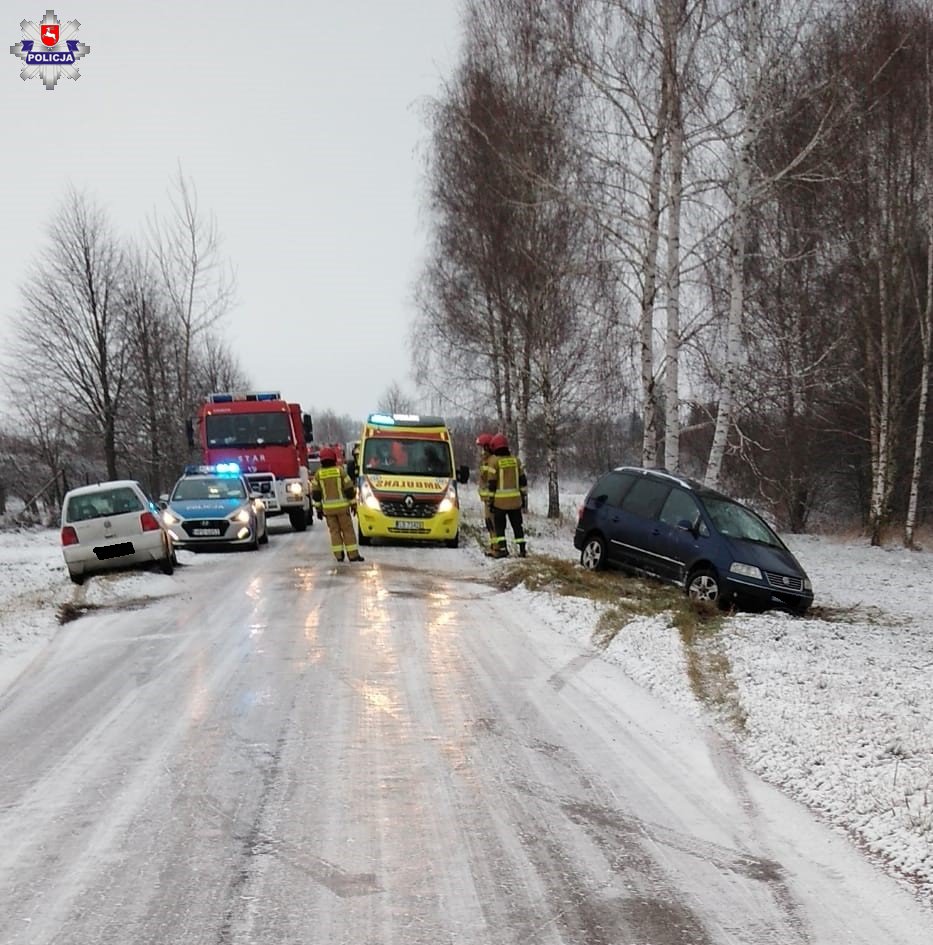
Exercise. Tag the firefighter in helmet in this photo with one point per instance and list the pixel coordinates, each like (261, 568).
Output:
(509, 495)
(482, 443)
(334, 496)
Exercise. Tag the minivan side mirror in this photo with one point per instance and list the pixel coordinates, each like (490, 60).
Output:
(463, 474)
(688, 526)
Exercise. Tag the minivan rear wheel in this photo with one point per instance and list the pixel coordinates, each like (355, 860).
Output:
(704, 587)
(593, 555)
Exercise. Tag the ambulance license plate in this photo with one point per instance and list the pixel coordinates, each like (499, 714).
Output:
(408, 526)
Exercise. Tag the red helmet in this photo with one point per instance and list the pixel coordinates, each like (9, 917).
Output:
(483, 440)
(328, 452)
(498, 442)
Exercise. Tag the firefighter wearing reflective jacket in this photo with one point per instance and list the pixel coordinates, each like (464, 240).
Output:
(509, 488)
(334, 497)
(485, 454)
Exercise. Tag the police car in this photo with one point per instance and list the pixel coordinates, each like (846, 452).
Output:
(212, 505)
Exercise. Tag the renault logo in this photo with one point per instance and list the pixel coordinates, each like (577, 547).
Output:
(409, 503)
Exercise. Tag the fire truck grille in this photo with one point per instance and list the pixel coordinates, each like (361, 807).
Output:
(261, 482)
(416, 509)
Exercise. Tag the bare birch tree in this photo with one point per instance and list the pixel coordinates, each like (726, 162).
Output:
(197, 280)
(72, 335)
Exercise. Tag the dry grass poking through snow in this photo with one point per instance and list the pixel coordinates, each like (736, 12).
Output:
(622, 599)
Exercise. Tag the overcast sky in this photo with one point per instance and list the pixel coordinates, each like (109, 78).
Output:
(300, 124)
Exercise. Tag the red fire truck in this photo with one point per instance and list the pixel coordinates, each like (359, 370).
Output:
(267, 437)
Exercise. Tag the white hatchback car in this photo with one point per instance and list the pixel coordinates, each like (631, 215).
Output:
(112, 525)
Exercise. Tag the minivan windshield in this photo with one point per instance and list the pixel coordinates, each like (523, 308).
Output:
(735, 521)
(407, 457)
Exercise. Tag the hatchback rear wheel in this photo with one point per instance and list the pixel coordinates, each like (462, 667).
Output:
(593, 555)
(167, 561)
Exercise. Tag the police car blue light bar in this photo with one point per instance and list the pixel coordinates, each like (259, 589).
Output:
(221, 469)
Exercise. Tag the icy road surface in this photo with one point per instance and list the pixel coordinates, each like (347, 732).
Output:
(291, 751)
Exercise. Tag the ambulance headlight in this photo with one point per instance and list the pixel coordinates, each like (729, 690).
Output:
(367, 497)
(450, 501)
(294, 488)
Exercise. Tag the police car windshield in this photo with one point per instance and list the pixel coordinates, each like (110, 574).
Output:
(407, 457)
(209, 487)
(248, 429)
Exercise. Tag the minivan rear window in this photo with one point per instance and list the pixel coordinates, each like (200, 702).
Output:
(611, 487)
(645, 498)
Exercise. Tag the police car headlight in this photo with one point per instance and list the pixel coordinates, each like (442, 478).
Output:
(294, 488)
(170, 518)
(367, 497)
(241, 516)
(449, 502)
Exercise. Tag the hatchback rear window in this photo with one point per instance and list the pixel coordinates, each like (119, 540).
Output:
(107, 502)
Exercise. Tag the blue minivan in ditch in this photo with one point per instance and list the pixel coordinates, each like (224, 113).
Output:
(651, 522)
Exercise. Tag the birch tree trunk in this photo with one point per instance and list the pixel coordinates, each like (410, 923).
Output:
(649, 449)
(671, 21)
(926, 330)
(734, 325)
(742, 184)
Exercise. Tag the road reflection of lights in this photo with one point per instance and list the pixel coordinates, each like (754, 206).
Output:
(379, 702)
(254, 588)
(440, 611)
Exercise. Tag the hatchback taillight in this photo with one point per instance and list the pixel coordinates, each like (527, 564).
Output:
(69, 536)
(149, 522)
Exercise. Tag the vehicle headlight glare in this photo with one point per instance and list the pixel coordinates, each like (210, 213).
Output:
(170, 518)
(449, 502)
(367, 497)
(294, 488)
(241, 516)
(747, 570)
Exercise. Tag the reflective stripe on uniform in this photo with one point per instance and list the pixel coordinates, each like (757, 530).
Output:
(507, 487)
(332, 497)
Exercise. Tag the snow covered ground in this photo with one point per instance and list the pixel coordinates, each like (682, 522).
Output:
(836, 711)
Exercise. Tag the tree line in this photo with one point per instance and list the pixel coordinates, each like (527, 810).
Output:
(695, 234)
(114, 345)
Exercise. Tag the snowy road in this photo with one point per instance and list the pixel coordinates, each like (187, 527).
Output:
(296, 752)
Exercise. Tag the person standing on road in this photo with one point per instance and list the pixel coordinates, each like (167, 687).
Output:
(509, 487)
(334, 498)
(482, 442)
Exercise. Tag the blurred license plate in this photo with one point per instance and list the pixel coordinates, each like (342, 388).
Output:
(409, 526)
(114, 551)
(206, 532)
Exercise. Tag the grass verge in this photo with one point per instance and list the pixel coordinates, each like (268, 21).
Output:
(622, 599)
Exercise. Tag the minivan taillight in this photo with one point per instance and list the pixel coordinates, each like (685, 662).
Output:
(149, 522)
(69, 536)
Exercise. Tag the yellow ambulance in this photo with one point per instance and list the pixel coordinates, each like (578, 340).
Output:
(407, 480)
